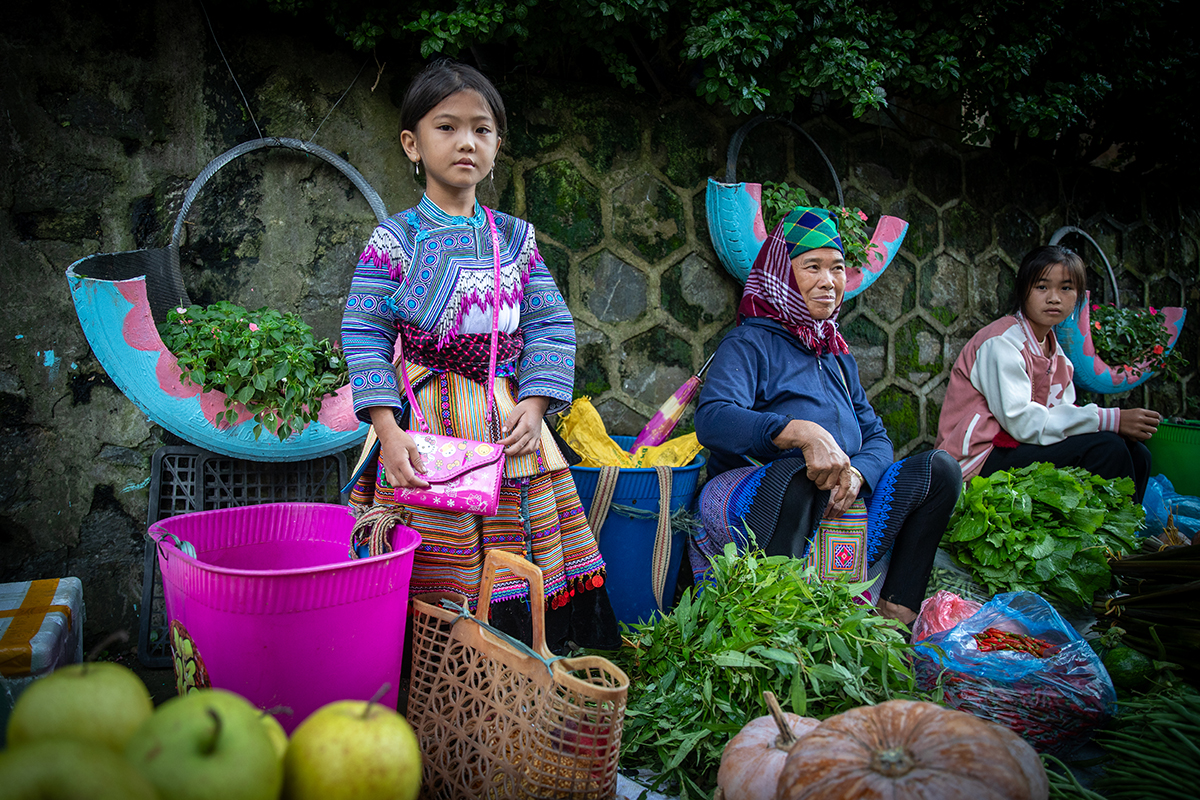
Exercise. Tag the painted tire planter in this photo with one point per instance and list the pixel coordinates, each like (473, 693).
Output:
(1075, 338)
(1091, 373)
(735, 223)
(120, 296)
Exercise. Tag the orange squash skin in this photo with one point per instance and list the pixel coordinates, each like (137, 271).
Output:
(751, 763)
(904, 750)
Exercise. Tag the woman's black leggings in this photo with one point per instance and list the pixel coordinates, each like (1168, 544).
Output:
(1105, 454)
(922, 498)
(925, 500)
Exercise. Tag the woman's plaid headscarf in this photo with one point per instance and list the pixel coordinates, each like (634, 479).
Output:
(771, 289)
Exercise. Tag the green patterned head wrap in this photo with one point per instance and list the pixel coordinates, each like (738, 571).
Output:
(805, 229)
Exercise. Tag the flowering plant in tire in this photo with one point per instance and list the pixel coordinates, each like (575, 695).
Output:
(1134, 340)
(778, 199)
(269, 361)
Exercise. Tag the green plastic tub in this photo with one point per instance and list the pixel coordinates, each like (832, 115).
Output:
(1175, 447)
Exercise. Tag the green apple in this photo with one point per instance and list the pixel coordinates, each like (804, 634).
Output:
(98, 701)
(275, 730)
(352, 750)
(64, 769)
(209, 744)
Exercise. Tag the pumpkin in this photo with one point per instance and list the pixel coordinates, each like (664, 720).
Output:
(904, 750)
(753, 759)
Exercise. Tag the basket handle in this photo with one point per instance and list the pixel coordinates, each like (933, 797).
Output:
(342, 165)
(739, 136)
(1068, 229)
(537, 592)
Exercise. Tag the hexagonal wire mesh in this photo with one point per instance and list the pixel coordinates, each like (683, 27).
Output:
(185, 478)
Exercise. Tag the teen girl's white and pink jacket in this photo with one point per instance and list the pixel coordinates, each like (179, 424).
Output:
(1003, 384)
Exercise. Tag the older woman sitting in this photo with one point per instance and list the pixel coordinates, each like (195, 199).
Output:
(793, 438)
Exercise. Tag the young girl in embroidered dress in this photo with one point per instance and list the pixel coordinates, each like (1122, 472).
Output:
(427, 277)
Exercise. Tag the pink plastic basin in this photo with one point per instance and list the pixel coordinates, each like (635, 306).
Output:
(277, 610)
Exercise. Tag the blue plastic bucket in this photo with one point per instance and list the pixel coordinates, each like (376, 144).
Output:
(627, 541)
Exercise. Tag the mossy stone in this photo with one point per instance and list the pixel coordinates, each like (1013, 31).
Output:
(689, 145)
(918, 351)
(619, 292)
(591, 370)
(559, 264)
(562, 204)
(900, 412)
(966, 228)
(651, 217)
(658, 346)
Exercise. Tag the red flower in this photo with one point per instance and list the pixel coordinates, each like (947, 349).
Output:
(1095, 307)
(1153, 311)
(1158, 348)
(1097, 324)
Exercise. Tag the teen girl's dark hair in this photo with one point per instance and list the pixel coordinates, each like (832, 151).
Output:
(1037, 262)
(441, 79)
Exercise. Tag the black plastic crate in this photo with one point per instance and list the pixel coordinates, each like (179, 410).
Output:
(184, 478)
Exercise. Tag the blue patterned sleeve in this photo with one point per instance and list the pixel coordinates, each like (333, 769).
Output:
(369, 324)
(547, 367)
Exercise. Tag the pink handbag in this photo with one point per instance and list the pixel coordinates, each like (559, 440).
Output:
(463, 475)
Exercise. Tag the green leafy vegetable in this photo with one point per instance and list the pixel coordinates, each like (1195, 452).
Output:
(267, 360)
(1043, 529)
(697, 676)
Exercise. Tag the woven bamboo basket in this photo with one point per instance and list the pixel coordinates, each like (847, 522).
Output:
(498, 719)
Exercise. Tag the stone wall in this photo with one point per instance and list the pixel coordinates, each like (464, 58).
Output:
(109, 113)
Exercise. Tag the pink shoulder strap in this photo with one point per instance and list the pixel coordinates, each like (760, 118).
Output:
(412, 400)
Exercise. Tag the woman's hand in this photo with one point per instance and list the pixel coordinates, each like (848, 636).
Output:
(397, 451)
(1138, 424)
(824, 458)
(844, 494)
(523, 429)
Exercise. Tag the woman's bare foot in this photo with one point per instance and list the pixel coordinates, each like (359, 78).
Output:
(896, 611)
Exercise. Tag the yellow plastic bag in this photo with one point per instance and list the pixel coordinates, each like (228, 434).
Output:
(583, 429)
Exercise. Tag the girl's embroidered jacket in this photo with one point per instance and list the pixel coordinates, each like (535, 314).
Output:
(426, 268)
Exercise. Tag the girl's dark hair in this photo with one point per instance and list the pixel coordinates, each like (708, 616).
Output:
(441, 79)
(1037, 262)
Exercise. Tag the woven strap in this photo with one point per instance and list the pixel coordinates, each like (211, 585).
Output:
(487, 414)
(606, 484)
(660, 564)
(373, 526)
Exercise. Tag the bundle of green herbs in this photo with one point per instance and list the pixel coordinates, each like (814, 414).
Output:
(1046, 530)
(267, 360)
(697, 676)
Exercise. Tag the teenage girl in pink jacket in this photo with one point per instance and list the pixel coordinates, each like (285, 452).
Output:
(1011, 402)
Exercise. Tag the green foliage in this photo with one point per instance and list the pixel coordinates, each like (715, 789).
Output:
(1135, 340)
(266, 360)
(697, 676)
(779, 198)
(1080, 75)
(1045, 530)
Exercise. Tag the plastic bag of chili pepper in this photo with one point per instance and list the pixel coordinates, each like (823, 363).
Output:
(1017, 662)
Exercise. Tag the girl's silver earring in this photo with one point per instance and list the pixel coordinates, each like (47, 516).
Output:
(417, 168)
